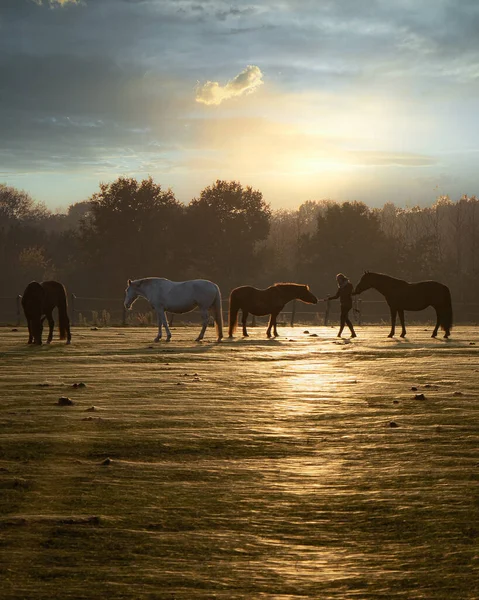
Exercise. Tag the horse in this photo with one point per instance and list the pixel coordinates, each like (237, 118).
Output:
(38, 302)
(270, 301)
(178, 297)
(401, 296)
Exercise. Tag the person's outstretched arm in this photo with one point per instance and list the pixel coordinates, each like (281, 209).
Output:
(336, 295)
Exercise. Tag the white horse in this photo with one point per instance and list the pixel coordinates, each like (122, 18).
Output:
(178, 297)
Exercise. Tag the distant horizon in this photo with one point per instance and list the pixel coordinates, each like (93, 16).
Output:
(371, 101)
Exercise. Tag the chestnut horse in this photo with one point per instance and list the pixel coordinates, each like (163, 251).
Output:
(270, 301)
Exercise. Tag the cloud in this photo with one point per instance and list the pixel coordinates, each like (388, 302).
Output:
(56, 2)
(212, 93)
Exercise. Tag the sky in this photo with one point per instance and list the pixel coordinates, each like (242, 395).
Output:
(371, 100)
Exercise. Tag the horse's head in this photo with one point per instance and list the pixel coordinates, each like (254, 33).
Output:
(307, 295)
(131, 294)
(364, 283)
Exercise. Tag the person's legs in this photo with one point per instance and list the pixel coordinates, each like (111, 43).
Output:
(345, 320)
(351, 328)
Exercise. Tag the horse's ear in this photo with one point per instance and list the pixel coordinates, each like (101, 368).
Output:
(129, 281)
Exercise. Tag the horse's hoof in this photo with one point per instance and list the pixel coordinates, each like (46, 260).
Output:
(69, 342)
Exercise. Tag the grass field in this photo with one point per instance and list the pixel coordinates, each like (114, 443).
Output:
(303, 467)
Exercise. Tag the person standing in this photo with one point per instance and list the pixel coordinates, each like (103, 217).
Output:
(344, 293)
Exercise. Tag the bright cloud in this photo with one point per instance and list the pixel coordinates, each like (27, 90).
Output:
(212, 93)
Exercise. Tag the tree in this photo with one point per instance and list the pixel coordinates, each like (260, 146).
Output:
(130, 232)
(348, 239)
(225, 225)
(34, 265)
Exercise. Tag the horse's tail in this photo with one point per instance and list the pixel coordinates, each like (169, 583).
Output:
(233, 313)
(218, 314)
(63, 320)
(446, 315)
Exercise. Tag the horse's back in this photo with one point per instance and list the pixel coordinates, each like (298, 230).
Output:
(247, 293)
(55, 295)
(419, 295)
(429, 288)
(53, 287)
(256, 301)
(183, 296)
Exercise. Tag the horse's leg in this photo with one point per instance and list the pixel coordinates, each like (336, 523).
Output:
(401, 318)
(393, 321)
(232, 317)
(438, 323)
(272, 325)
(162, 320)
(244, 318)
(51, 325)
(30, 332)
(275, 331)
(160, 332)
(204, 320)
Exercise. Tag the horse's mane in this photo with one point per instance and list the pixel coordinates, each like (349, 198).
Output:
(285, 284)
(384, 276)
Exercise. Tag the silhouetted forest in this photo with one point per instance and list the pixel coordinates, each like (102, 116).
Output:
(229, 234)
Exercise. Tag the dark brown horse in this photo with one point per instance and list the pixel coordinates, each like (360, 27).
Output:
(38, 301)
(270, 301)
(401, 296)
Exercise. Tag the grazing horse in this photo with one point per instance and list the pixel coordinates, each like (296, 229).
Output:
(270, 301)
(38, 301)
(178, 297)
(401, 296)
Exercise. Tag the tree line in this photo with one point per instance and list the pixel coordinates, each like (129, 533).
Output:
(229, 234)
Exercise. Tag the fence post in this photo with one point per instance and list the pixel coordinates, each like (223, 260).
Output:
(293, 313)
(73, 297)
(18, 304)
(326, 314)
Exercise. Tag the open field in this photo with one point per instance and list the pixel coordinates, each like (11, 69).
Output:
(302, 467)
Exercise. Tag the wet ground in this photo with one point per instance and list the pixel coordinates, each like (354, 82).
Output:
(301, 467)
